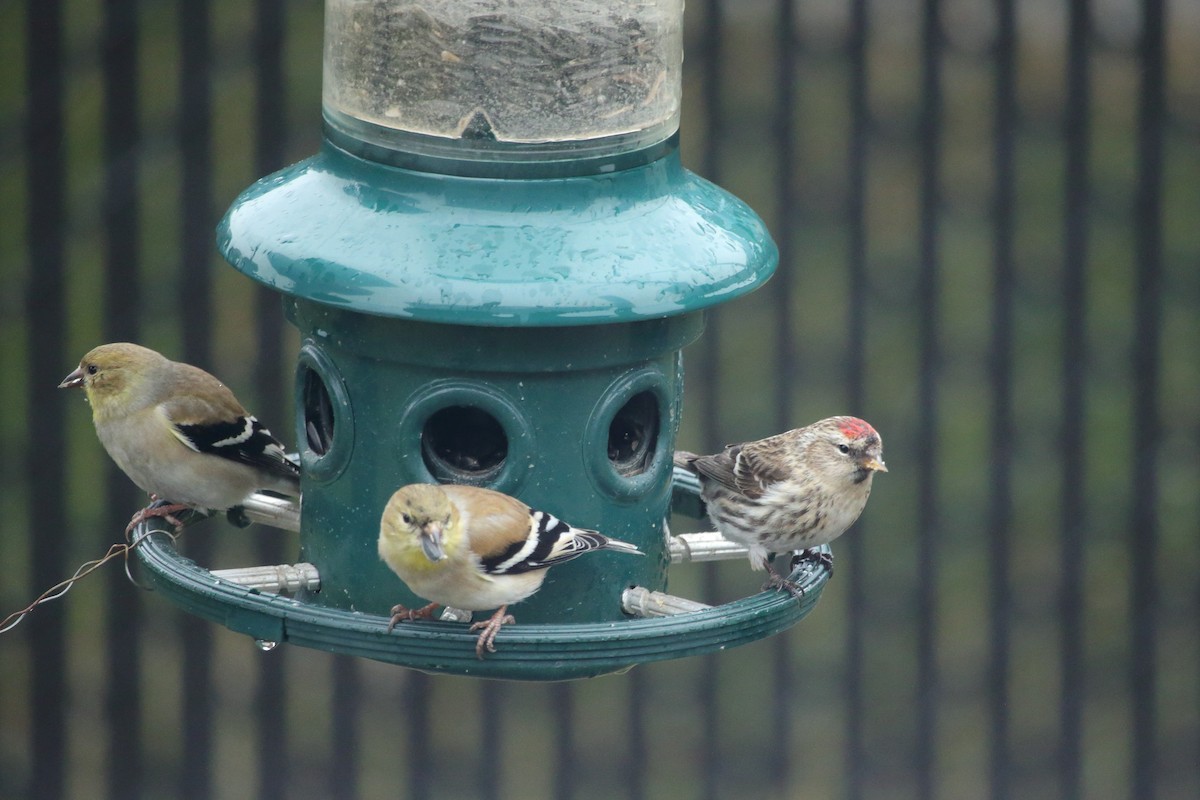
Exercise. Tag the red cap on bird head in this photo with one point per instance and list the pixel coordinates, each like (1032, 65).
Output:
(855, 428)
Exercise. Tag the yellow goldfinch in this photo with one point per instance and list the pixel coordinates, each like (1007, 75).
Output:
(475, 549)
(178, 433)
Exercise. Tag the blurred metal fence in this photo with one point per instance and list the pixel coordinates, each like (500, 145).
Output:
(987, 217)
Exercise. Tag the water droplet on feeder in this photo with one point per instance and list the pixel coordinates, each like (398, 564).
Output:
(264, 645)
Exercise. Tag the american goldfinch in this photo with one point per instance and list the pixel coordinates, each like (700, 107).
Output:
(178, 433)
(796, 490)
(475, 549)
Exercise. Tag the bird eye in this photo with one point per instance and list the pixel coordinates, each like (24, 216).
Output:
(91, 369)
(406, 519)
(845, 448)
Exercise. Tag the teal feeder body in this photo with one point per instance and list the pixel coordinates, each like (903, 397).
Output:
(561, 404)
(522, 334)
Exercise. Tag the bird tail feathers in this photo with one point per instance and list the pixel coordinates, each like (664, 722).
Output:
(621, 547)
(683, 459)
(585, 540)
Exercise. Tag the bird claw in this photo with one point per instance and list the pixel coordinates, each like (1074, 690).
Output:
(814, 555)
(402, 613)
(491, 626)
(158, 509)
(781, 584)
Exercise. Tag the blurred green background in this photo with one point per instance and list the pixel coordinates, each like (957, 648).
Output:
(917, 598)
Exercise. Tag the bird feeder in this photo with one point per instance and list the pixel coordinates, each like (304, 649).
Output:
(494, 262)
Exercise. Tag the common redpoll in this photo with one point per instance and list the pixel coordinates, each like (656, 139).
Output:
(475, 549)
(793, 491)
(178, 433)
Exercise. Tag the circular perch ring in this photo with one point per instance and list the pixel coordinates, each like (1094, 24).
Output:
(539, 652)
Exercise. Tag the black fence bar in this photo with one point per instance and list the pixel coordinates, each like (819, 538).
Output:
(856, 275)
(270, 119)
(856, 761)
(345, 764)
(785, 141)
(1073, 520)
(271, 371)
(195, 779)
(270, 702)
(638, 744)
(195, 144)
(122, 302)
(1000, 368)
(415, 709)
(45, 309)
(1147, 376)
(491, 765)
(562, 707)
(928, 274)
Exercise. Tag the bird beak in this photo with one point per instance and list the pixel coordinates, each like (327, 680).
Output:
(431, 541)
(72, 381)
(874, 464)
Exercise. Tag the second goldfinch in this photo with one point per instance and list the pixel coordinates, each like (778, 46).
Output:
(475, 549)
(178, 432)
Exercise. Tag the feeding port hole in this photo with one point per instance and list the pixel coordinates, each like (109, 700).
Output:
(318, 414)
(463, 442)
(633, 434)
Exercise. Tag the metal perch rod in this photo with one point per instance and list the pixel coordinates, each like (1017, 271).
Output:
(278, 512)
(641, 602)
(705, 546)
(278, 579)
